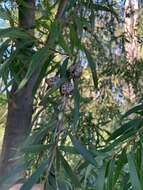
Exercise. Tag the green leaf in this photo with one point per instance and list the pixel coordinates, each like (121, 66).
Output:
(42, 73)
(74, 39)
(83, 151)
(100, 177)
(69, 172)
(92, 66)
(124, 136)
(122, 160)
(63, 68)
(135, 123)
(68, 149)
(133, 172)
(36, 148)
(135, 109)
(14, 33)
(124, 184)
(35, 176)
(39, 134)
(63, 44)
(76, 111)
(88, 171)
(37, 61)
(141, 167)
(110, 174)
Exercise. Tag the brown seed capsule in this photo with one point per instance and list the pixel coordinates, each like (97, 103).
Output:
(76, 70)
(67, 88)
(53, 81)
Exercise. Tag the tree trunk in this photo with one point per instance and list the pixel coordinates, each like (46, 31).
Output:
(131, 41)
(131, 16)
(17, 126)
(20, 103)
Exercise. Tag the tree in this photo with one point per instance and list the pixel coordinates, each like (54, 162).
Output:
(66, 98)
(19, 103)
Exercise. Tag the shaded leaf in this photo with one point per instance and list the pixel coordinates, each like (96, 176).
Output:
(14, 33)
(35, 176)
(92, 66)
(69, 172)
(101, 177)
(110, 174)
(135, 123)
(83, 150)
(133, 172)
(37, 61)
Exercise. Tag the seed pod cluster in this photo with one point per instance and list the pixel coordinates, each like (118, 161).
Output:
(67, 88)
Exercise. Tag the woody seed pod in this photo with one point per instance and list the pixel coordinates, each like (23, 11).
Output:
(76, 70)
(67, 88)
(53, 81)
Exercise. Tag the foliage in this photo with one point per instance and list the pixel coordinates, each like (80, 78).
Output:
(80, 138)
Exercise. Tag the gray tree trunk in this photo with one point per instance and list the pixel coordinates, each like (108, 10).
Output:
(19, 103)
(131, 41)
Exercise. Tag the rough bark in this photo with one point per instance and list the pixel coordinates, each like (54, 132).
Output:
(19, 103)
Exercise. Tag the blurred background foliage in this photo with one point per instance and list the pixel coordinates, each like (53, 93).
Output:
(89, 137)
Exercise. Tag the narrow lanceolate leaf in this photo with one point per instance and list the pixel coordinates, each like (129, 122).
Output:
(63, 68)
(120, 162)
(110, 174)
(68, 149)
(74, 179)
(135, 123)
(83, 150)
(133, 172)
(74, 39)
(88, 172)
(76, 112)
(37, 61)
(36, 148)
(135, 109)
(14, 33)
(92, 66)
(101, 177)
(125, 136)
(35, 176)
